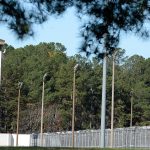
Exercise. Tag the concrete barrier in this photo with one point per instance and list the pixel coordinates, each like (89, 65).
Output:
(6, 139)
(23, 139)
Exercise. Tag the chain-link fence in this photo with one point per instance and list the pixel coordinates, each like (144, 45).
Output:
(123, 137)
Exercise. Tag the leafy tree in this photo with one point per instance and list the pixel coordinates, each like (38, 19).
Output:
(99, 18)
(30, 63)
(132, 86)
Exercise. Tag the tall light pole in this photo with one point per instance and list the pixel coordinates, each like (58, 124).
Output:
(2, 42)
(112, 100)
(19, 88)
(73, 104)
(131, 117)
(103, 106)
(42, 108)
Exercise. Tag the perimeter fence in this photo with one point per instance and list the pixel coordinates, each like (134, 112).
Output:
(138, 137)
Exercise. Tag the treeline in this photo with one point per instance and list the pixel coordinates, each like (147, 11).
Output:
(29, 64)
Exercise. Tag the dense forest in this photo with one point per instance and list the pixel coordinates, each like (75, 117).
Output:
(29, 64)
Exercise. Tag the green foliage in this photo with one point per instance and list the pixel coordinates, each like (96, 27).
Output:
(30, 63)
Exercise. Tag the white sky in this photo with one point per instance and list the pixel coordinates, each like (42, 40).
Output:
(65, 30)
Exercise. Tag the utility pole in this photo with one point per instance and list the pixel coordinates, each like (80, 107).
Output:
(42, 108)
(112, 101)
(131, 117)
(73, 104)
(19, 86)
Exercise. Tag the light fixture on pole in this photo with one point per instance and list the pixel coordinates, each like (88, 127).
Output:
(19, 88)
(2, 42)
(73, 104)
(112, 101)
(42, 109)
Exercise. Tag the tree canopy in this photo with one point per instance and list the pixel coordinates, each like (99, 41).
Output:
(30, 63)
(99, 18)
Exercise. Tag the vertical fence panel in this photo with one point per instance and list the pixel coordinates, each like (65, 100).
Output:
(138, 137)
